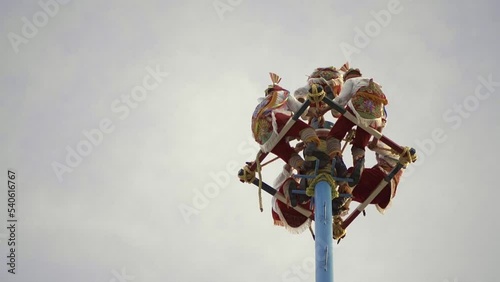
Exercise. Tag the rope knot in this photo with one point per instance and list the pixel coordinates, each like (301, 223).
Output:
(316, 94)
(407, 157)
(246, 174)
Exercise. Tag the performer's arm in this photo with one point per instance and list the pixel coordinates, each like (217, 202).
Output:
(295, 106)
(346, 93)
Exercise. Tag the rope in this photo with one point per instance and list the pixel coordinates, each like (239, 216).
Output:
(249, 175)
(259, 169)
(323, 175)
(316, 97)
(405, 157)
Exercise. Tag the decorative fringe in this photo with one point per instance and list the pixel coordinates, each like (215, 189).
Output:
(282, 221)
(278, 222)
(293, 230)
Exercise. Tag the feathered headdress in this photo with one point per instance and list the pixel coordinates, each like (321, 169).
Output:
(275, 79)
(345, 67)
(328, 73)
(348, 70)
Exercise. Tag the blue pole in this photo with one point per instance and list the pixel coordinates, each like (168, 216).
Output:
(324, 233)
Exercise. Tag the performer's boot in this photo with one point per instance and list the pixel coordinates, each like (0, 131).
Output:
(340, 167)
(313, 152)
(293, 197)
(357, 153)
(357, 171)
(310, 162)
(334, 151)
(340, 205)
(296, 198)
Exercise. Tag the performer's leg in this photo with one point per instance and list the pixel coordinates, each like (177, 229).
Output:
(337, 133)
(370, 178)
(299, 129)
(285, 152)
(357, 171)
(361, 140)
(287, 215)
(307, 134)
(340, 205)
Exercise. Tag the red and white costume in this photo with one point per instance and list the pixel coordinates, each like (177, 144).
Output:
(371, 177)
(269, 118)
(329, 79)
(283, 214)
(362, 98)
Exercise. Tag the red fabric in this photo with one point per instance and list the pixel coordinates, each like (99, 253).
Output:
(343, 125)
(293, 218)
(283, 149)
(370, 178)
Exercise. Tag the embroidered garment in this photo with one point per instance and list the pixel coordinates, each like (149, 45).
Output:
(262, 118)
(265, 125)
(369, 101)
(365, 98)
(286, 216)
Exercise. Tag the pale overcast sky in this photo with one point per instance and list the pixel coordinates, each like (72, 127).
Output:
(103, 176)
